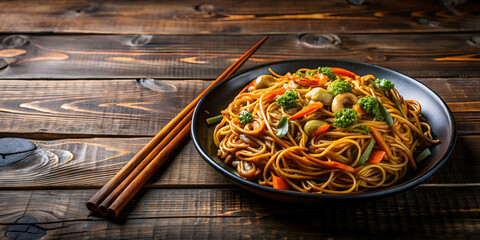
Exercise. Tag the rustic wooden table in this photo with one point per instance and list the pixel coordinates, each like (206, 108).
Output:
(73, 81)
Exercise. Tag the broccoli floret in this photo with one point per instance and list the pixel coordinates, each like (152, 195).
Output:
(339, 86)
(383, 84)
(327, 71)
(288, 100)
(371, 106)
(245, 117)
(345, 117)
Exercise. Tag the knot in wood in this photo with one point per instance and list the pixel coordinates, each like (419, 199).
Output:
(25, 228)
(451, 3)
(427, 22)
(157, 85)
(87, 9)
(423, 21)
(206, 8)
(13, 150)
(319, 40)
(372, 54)
(474, 41)
(140, 40)
(15, 41)
(357, 2)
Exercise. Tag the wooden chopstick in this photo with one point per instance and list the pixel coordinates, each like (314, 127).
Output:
(102, 208)
(135, 186)
(114, 195)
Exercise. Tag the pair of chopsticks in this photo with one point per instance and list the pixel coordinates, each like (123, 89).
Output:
(115, 195)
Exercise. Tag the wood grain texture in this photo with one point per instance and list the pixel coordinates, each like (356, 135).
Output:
(233, 17)
(90, 163)
(431, 212)
(205, 57)
(101, 107)
(59, 109)
(75, 79)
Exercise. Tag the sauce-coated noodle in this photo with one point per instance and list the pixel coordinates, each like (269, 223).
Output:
(329, 160)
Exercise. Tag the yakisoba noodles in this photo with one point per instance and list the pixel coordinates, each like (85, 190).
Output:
(322, 130)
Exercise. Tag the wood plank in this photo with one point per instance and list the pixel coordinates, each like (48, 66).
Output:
(232, 17)
(66, 109)
(435, 213)
(459, 95)
(90, 163)
(82, 108)
(207, 56)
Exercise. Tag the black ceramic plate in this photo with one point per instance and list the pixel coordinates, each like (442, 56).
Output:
(433, 108)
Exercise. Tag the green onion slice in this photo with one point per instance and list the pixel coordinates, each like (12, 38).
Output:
(397, 104)
(386, 114)
(367, 152)
(215, 119)
(424, 154)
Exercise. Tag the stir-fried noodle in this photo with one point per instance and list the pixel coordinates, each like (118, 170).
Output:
(323, 130)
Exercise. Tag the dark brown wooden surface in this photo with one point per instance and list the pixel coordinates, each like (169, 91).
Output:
(428, 213)
(205, 56)
(100, 158)
(245, 17)
(90, 82)
(83, 108)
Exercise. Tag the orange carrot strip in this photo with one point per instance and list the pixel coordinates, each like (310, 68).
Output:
(340, 166)
(323, 78)
(252, 83)
(306, 110)
(343, 72)
(331, 164)
(279, 183)
(359, 110)
(310, 82)
(275, 92)
(307, 82)
(381, 141)
(376, 156)
(320, 130)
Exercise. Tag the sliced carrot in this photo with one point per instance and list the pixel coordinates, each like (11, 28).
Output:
(359, 110)
(343, 72)
(320, 130)
(306, 82)
(314, 82)
(306, 110)
(376, 156)
(323, 78)
(252, 83)
(274, 93)
(340, 166)
(279, 183)
(330, 164)
(381, 141)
